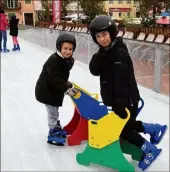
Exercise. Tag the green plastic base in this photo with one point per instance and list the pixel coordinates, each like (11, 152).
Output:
(110, 156)
(132, 150)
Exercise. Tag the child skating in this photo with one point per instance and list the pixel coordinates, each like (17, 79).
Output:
(14, 32)
(113, 64)
(53, 84)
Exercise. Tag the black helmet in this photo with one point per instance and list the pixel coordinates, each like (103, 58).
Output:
(65, 38)
(102, 23)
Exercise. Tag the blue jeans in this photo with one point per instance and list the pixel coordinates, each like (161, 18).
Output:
(3, 35)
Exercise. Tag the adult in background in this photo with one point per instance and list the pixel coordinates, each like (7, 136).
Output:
(3, 33)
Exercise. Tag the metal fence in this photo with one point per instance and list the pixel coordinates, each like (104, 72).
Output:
(151, 60)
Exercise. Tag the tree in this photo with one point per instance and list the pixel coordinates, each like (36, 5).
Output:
(91, 8)
(64, 4)
(146, 5)
(46, 12)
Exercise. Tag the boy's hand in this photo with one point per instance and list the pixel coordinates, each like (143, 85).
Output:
(72, 91)
(121, 112)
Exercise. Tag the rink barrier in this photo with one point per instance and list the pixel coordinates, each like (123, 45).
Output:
(101, 129)
(151, 60)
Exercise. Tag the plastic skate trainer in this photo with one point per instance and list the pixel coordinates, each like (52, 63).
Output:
(77, 128)
(102, 128)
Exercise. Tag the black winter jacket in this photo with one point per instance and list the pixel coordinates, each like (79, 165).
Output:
(52, 82)
(14, 27)
(117, 79)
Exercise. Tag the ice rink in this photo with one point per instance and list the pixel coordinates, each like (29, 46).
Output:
(24, 120)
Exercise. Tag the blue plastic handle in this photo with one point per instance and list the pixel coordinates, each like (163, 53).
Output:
(140, 108)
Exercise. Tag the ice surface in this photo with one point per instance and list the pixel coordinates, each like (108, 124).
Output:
(24, 121)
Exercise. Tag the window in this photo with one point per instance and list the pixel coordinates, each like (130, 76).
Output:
(128, 1)
(27, 1)
(110, 1)
(120, 14)
(12, 3)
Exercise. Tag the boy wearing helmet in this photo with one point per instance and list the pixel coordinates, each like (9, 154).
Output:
(119, 88)
(53, 84)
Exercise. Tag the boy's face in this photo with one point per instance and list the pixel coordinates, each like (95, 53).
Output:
(103, 38)
(67, 49)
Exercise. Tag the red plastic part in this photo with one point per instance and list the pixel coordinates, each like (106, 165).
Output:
(72, 125)
(77, 129)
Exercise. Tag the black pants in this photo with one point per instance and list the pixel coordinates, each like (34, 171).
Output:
(132, 129)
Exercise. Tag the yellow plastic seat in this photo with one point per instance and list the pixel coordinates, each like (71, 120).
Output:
(106, 130)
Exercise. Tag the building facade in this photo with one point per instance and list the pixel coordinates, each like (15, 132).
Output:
(120, 9)
(26, 10)
(23, 9)
(73, 7)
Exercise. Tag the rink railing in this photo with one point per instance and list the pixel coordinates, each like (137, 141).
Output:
(151, 60)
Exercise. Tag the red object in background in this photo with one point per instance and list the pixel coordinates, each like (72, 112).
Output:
(119, 9)
(163, 20)
(56, 11)
(53, 11)
(77, 129)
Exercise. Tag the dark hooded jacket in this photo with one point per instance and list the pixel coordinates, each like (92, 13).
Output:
(14, 26)
(117, 79)
(52, 82)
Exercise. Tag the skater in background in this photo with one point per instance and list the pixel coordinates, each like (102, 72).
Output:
(3, 32)
(119, 89)
(14, 32)
(53, 84)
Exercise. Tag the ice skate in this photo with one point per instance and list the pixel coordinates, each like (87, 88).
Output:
(156, 132)
(151, 152)
(55, 138)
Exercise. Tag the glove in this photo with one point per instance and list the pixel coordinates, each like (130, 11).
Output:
(72, 91)
(120, 112)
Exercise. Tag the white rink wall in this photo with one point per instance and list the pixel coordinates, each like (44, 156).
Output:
(153, 56)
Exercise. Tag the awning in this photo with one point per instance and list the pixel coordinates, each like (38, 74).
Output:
(163, 20)
(119, 9)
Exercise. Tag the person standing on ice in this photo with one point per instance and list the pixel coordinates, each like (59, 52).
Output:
(119, 89)
(14, 32)
(53, 84)
(3, 33)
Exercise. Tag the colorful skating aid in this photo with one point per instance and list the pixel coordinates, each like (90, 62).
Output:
(102, 128)
(77, 128)
(89, 107)
(109, 156)
(106, 130)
